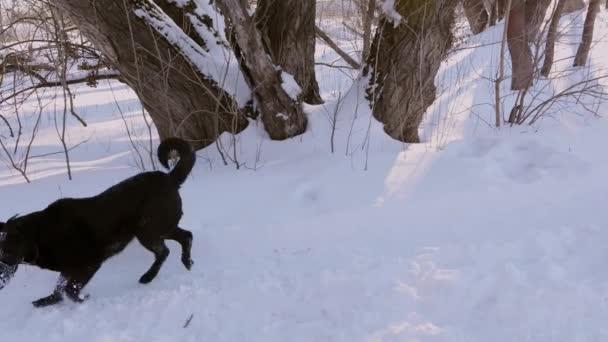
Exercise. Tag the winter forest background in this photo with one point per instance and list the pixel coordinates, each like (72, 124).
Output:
(368, 170)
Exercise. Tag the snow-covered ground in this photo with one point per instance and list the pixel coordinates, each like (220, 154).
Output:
(475, 235)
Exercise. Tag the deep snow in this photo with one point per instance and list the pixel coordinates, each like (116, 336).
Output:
(475, 235)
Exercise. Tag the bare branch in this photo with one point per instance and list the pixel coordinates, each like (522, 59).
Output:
(348, 59)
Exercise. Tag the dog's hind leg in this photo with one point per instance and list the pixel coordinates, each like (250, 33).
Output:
(184, 238)
(77, 280)
(157, 246)
(55, 297)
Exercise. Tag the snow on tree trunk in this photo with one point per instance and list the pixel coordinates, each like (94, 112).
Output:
(519, 49)
(411, 40)
(276, 93)
(169, 56)
(583, 49)
(476, 14)
(289, 26)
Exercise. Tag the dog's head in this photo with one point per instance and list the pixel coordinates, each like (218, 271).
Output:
(12, 250)
(14, 243)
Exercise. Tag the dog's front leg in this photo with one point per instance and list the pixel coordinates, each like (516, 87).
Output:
(77, 279)
(55, 297)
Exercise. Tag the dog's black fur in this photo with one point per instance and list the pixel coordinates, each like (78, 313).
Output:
(75, 236)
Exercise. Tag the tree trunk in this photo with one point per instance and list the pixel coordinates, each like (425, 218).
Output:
(476, 14)
(551, 38)
(535, 16)
(404, 61)
(519, 49)
(583, 49)
(289, 26)
(282, 115)
(501, 8)
(573, 6)
(367, 29)
(493, 9)
(182, 100)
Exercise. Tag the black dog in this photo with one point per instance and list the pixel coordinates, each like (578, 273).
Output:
(75, 236)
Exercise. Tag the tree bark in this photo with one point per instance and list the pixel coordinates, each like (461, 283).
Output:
(289, 26)
(404, 61)
(181, 100)
(583, 49)
(535, 16)
(476, 14)
(519, 49)
(283, 116)
(551, 39)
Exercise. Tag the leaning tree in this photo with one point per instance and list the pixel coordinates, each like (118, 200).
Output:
(198, 70)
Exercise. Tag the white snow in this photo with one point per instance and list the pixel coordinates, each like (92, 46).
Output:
(290, 85)
(387, 7)
(217, 60)
(282, 116)
(475, 235)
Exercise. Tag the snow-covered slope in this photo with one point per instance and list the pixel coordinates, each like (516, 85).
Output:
(474, 235)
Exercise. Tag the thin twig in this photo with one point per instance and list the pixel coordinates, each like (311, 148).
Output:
(188, 321)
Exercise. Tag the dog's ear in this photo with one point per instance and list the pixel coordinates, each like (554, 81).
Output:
(5, 225)
(12, 218)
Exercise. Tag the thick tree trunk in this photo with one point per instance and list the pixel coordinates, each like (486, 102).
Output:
(476, 14)
(404, 61)
(519, 49)
(181, 99)
(282, 115)
(551, 38)
(289, 26)
(583, 49)
(573, 6)
(535, 16)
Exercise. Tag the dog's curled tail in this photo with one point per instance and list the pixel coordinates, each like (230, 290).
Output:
(187, 157)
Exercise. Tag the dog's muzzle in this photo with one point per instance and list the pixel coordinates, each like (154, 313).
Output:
(6, 271)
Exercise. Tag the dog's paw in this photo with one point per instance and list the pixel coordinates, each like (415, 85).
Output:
(47, 301)
(188, 263)
(79, 298)
(146, 278)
